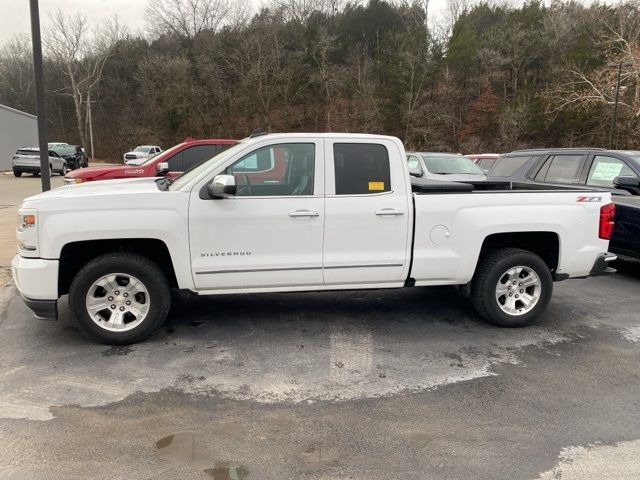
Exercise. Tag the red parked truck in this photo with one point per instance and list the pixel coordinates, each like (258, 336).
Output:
(179, 158)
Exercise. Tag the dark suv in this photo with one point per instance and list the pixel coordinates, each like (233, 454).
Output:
(74, 155)
(614, 170)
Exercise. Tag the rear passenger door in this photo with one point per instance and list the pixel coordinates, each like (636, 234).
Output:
(367, 214)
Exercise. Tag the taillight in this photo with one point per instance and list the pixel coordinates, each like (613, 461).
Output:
(607, 214)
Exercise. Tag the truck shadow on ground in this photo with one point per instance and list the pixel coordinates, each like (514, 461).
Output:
(371, 307)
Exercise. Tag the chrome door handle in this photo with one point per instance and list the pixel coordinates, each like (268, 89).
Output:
(303, 213)
(389, 211)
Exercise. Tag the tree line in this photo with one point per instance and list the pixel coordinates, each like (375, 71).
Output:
(488, 77)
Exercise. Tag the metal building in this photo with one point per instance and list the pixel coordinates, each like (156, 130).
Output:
(17, 129)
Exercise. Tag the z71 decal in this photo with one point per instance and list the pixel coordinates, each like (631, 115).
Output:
(588, 199)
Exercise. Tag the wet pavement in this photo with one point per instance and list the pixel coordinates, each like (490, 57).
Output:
(404, 384)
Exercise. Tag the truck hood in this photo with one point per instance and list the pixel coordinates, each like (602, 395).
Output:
(92, 172)
(105, 188)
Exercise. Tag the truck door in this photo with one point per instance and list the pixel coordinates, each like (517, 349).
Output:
(367, 205)
(270, 233)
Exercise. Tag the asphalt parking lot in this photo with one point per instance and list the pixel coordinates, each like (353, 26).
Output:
(406, 384)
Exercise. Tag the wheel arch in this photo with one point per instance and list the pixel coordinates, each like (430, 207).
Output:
(75, 255)
(545, 244)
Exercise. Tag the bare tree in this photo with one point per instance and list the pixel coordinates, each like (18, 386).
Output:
(582, 87)
(186, 18)
(16, 72)
(80, 55)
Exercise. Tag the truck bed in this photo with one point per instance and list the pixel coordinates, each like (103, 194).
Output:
(423, 186)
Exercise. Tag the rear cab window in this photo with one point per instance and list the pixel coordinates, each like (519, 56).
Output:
(361, 168)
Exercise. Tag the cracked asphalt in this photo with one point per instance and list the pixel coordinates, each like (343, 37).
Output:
(404, 384)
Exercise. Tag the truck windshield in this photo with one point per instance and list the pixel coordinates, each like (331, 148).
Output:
(200, 168)
(451, 165)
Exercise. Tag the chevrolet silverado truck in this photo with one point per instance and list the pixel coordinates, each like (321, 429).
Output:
(296, 212)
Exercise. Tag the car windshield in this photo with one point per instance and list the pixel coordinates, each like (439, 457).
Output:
(65, 150)
(141, 149)
(451, 165)
(200, 168)
(635, 156)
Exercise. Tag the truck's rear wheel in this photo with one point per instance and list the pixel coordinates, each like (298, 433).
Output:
(119, 298)
(511, 287)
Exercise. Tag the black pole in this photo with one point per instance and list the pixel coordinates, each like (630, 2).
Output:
(40, 104)
(615, 111)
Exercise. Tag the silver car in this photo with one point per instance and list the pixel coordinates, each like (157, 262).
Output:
(27, 160)
(452, 167)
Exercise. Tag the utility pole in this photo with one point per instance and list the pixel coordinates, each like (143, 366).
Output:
(45, 174)
(90, 123)
(614, 116)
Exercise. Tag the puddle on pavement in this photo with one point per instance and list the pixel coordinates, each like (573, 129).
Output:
(191, 449)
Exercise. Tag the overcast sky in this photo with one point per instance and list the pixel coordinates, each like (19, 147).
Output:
(15, 13)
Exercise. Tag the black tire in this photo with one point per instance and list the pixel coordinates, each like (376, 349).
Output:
(488, 273)
(17, 173)
(138, 266)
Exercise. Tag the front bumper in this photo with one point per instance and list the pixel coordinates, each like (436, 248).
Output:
(42, 309)
(601, 265)
(37, 281)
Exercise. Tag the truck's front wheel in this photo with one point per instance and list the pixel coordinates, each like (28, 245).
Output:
(511, 287)
(119, 298)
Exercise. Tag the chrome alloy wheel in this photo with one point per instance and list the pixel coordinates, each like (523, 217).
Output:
(117, 302)
(518, 290)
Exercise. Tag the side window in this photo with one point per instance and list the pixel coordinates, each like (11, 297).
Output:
(604, 169)
(175, 163)
(507, 166)
(192, 156)
(562, 169)
(361, 168)
(276, 170)
(485, 163)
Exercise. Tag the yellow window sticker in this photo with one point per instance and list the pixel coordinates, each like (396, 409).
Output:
(377, 186)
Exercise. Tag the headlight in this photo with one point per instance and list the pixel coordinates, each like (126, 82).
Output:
(72, 181)
(26, 221)
(27, 233)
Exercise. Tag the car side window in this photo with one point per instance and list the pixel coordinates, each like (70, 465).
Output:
(361, 168)
(276, 170)
(561, 169)
(192, 156)
(507, 166)
(485, 164)
(175, 163)
(604, 169)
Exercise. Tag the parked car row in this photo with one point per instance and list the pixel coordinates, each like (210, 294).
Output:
(62, 158)
(615, 171)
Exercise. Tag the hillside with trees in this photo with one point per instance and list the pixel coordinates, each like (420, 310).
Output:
(489, 77)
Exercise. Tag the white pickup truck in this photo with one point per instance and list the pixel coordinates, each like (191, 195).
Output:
(294, 212)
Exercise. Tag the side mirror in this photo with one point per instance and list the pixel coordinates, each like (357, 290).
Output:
(415, 171)
(162, 167)
(222, 186)
(630, 184)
